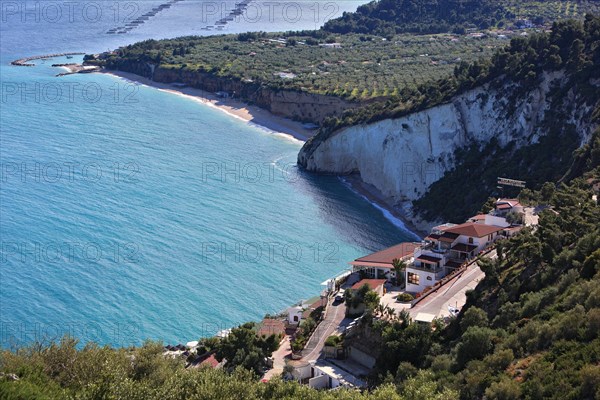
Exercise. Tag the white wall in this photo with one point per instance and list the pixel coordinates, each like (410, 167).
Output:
(423, 281)
(319, 382)
(294, 312)
(496, 221)
(481, 243)
(302, 372)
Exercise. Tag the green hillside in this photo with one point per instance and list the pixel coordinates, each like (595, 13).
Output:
(571, 47)
(531, 329)
(390, 17)
(364, 67)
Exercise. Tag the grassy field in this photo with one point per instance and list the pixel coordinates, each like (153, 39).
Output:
(362, 67)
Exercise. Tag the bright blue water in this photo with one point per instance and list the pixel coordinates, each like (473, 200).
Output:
(129, 213)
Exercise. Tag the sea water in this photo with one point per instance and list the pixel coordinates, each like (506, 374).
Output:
(128, 213)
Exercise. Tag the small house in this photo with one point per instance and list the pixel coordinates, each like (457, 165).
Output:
(295, 315)
(376, 285)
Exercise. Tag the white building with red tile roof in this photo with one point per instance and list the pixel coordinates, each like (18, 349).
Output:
(380, 265)
(504, 206)
(445, 249)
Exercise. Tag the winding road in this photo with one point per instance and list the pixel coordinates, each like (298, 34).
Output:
(335, 314)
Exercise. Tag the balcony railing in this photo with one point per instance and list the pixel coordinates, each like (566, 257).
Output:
(432, 248)
(427, 269)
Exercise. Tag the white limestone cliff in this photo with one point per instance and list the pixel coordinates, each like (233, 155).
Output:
(402, 157)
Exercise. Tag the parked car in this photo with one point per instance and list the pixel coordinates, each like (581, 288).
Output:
(339, 298)
(453, 310)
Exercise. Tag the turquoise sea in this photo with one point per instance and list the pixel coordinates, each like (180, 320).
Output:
(129, 213)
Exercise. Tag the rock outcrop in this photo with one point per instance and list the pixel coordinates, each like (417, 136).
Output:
(402, 157)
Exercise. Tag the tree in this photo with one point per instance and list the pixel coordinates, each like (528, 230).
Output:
(390, 313)
(242, 347)
(371, 300)
(591, 265)
(475, 344)
(473, 317)
(547, 192)
(364, 295)
(490, 268)
(489, 205)
(399, 268)
(424, 387)
(514, 218)
(505, 389)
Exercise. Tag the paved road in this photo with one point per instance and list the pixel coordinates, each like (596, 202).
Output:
(451, 294)
(335, 314)
(279, 357)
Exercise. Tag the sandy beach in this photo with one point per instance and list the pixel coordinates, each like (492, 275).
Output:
(376, 198)
(265, 119)
(249, 113)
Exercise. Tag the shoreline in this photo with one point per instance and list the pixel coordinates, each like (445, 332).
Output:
(251, 114)
(376, 198)
(264, 119)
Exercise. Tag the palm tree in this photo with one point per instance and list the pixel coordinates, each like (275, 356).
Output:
(405, 317)
(399, 267)
(391, 313)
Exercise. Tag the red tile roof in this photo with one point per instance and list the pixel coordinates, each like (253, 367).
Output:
(504, 204)
(388, 255)
(270, 327)
(372, 283)
(474, 230)
(428, 259)
(433, 236)
(478, 217)
(210, 361)
(448, 237)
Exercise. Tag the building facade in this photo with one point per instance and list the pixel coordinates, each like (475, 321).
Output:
(447, 248)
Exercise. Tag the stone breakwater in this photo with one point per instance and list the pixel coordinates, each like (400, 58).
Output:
(24, 62)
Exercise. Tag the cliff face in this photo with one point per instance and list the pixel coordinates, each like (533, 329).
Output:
(296, 105)
(402, 157)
